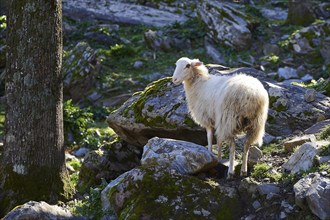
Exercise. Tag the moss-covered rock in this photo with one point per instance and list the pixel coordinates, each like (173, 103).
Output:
(156, 111)
(163, 194)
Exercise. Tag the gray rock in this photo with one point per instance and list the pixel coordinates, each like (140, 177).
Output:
(297, 141)
(256, 204)
(268, 188)
(271, 49)
(267, 139)
(81, 152)
(307, 78)
(38, 210)
(214, 53)
(120, 12)
(182, 156)
(107, 164)
(226, 24)
(318, 127)
(302, 159)
(287, 73)
(138, 64)
(80, 67)
(161, 111)
(313, 191)
(274, 13)
(148, 191)
(255, 154)
(310, 95)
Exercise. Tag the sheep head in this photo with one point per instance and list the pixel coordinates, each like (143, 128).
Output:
(184, 69)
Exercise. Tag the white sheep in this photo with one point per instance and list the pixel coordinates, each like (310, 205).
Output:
(228, 105)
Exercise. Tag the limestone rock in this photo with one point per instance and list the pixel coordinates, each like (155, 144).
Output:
(255, 154)
(297, 141)
(161, 194)
(184, 157)
(274, 13)
(313, 191)
(121, 12)
(38, 210)
(265, 189)
(226, 24)
(302, 159)
(159, 111)
(80, 68)
(318, 127)
(107, 164)
(287, 73)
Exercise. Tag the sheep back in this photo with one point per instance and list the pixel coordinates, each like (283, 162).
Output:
(230, 104)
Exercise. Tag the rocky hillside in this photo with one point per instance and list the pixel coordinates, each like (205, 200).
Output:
(119, 56)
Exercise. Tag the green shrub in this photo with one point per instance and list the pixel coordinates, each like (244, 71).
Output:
(76, 121)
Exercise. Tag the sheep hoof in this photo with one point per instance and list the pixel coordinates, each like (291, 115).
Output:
(230, 176)
(243, 173)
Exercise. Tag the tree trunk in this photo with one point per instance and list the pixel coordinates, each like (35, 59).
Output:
(33, 160)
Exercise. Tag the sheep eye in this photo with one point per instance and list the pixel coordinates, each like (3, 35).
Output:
(187, 66)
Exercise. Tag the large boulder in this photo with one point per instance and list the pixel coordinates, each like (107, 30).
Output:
(121, 12)
(226, 24)
(80, 69)
(161, 110)
(185, 157)
(153, 193)
(39, 210)
(313, 192)
(108, 164)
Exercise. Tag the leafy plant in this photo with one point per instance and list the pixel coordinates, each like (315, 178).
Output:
(3, 23)
(90, 205)
(263, 170)
(76, 121)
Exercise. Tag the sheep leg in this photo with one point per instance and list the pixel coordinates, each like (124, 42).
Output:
(219, 143)
(231, 159)
(245, 158)
(209, 132)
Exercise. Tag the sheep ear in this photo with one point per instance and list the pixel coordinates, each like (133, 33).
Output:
(196, 63)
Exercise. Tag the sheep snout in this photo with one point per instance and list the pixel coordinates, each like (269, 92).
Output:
(176, 81)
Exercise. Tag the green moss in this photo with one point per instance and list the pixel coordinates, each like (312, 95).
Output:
(325, 134)
(272, 100)
(177, 197)
(280, 108)
(262, 171)
(155, 89)
(189, 122)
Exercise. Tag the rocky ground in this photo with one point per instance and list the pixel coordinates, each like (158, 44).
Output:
(153, 164)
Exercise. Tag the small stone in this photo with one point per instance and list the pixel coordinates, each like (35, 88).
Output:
(310, 95)
(297, 141)
(256, 204)
(282, 215)
(255, 154)
(307, 78)
(81, 152)
(138, 64)
(287, 73)
(265, 189)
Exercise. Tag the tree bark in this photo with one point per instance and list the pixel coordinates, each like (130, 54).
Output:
(300, 12)
(33, 160)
